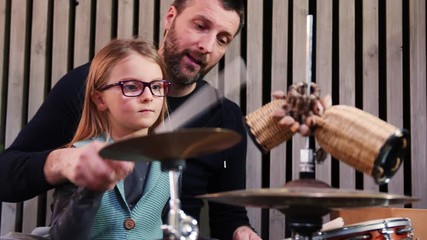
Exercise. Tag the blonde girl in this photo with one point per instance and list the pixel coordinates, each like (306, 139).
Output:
(125, 92)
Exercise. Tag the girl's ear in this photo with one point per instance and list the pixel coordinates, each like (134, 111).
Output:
(98, 100)
(169, 18)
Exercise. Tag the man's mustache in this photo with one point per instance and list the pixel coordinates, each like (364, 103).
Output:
(200, 58)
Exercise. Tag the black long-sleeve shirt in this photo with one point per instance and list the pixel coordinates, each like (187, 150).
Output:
(54, 124)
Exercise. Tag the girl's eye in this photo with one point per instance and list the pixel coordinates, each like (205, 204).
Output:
(130, 87)
(155, 87)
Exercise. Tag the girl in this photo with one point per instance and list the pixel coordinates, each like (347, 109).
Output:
(125, 93)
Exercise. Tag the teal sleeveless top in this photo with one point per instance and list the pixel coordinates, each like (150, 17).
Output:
(146, 216)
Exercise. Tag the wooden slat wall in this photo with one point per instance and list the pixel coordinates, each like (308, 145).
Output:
(346, 70)
(254, 90)
(279, 66)
(82, 36)
(370, 54)
(2, 85)
(323, 49)
(370, 68)
(418, 100)
(394, 62)
(15, 89)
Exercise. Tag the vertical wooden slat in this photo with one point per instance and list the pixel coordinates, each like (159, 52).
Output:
(323, 61)
(146, 20)
(299, 50)
(103, 34)
(2, 86)
(279, 64)
(370, 69)
(394, 78)
(2, 53)
(60, 39)
(254, 97)
(233, 69)
(323, 74)
(347, 74)
(82, 32)
(417, 51)
(125, 19)
(15, 93)
(16, 70)
(36, 88)
(38, 56)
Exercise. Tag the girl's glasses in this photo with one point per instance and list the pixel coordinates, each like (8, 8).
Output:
(134, 88)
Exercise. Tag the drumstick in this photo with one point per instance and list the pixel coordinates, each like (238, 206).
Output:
(193, 107)
(200, 102)
(336, 223)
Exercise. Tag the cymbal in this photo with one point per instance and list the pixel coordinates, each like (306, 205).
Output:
(177, 145)
(306, 197)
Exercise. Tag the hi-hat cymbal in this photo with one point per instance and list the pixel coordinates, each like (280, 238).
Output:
(177, 145)
(310, 197)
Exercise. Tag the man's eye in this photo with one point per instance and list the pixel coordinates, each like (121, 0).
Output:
(199, 26)
(222, 41)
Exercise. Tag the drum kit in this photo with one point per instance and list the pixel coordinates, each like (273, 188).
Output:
(359, 139)
(304, 202)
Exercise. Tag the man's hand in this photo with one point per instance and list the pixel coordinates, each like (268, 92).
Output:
(245, 233)
(84, 167)
(288, 121)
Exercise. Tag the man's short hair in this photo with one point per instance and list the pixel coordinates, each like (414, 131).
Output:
(230, 5)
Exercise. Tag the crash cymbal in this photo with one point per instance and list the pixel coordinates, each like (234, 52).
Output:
(310, 197)
(180, 144)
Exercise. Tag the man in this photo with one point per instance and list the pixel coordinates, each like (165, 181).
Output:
(197, 33)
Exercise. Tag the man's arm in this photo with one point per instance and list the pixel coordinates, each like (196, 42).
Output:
(85, 168)
(22, 164)
(226, 219)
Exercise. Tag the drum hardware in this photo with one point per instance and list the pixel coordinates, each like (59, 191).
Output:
(172, 149)
(305, 206)
(383, 229)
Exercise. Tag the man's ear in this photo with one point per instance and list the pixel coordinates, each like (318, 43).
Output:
(98, 99)
(170, 17)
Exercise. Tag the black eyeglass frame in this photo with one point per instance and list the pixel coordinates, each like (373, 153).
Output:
(166, 86)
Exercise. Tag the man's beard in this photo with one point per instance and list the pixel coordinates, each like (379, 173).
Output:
(173, 57)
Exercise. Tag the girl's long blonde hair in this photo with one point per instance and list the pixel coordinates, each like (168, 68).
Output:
(93, 122)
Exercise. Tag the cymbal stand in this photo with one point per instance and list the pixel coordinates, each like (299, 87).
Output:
(180, 226)
(303, 221)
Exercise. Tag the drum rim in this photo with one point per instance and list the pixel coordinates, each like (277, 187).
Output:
(370, 225)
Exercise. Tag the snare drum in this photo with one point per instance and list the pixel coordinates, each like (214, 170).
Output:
(384, 229)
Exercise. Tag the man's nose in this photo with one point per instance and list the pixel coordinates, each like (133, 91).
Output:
(207, 43)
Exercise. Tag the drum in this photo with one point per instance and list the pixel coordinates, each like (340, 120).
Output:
(384, 229)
